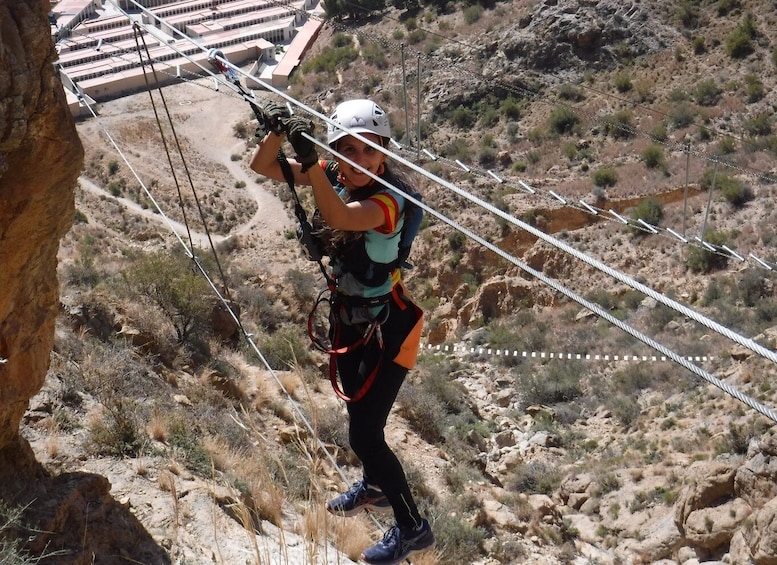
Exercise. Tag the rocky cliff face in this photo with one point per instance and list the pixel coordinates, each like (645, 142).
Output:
(40, 159)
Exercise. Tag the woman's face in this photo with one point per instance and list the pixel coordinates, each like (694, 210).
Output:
(362, 154)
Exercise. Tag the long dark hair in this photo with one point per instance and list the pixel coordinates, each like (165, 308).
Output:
(337, 240)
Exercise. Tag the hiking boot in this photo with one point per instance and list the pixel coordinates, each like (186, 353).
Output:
(399, 544)
(359, 497)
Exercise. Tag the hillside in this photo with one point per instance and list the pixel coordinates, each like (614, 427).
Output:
(631, 107)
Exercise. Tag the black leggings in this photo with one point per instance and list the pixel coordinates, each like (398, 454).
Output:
(368, 419)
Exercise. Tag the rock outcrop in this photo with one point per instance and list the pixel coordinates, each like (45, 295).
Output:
(40, 158)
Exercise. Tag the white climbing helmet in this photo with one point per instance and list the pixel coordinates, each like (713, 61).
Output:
(359, 116)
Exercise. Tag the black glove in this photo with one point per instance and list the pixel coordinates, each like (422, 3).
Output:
(276, 116)
(305, 148)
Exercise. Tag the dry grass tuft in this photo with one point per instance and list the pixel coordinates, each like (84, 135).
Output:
(351, 536)
(157, 426)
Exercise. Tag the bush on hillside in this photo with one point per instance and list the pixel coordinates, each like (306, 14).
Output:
(733, 190)
(563, 120)
(702, 260)
(759, 125)
(170, 281)
(682, 115)
(604, 177)
(648, 210)
(707, 92)
(619, 125)
(653, 156)
(738, 44)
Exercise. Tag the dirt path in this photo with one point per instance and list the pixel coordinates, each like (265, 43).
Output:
(204, 121)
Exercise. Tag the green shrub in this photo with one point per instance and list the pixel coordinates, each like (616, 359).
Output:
(619, 125)
(115, 187)
(240, 130)
(677, 95)
(758, 125)
(687, 13)
(733, 190)
(738, 43)
(375, 54)
(535, 477)
(726, 6)
(473, 13)
(604, 177)
(555, 383)
(118, 432)
(754, 88)
(707, 92)
(511, 108)
(489, 117)
(633, 379)
(284, 349)
(699, 46)
(416, 36)
(622, 82)
(563, 120)
(659, 132)
(726, 146)
(570, 92)
(486, 156)
(303, 285)
(113, 167)
(701, 260)
(681, 115)
(338, 55)
(648, 210)
(660, 316)
(185, 438)
(752, 287)
(459, 539)
(79, 217)
(463, 117)
(624, 408)
(456, 241)
(170, 281)
(653, 156)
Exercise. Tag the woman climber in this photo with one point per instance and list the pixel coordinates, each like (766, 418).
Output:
(375, 326)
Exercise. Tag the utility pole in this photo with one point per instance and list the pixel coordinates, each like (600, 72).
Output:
(404, 86)
(709, 201)
(687, 173)
(418, 110)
